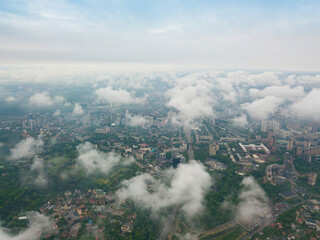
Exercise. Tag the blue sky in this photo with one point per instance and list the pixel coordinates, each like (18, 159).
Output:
(252, 34)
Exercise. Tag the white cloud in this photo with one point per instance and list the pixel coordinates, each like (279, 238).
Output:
(308, 107)
(11, 99)
(248, 79)
(44, 100)
(38, 168)
(119, 96)
(93, 160)
(186, 186)
(284, 92)
(27, 148)
(77, 110)
(41, 100)
(306, 80)
(59, 99)
(39, 224)
(230, 96)
(240, 121)
(253, 202)
(135, 120)
(262, 108)
(57, 113)
(192, 97)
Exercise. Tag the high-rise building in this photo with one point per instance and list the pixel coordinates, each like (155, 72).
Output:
(269, 125)
(149, 119)
(38, 120)
(156, 155)
(299, 151)
(175, 153)
(264, 126)
(30, 116)
(289, 169)
(176, 161)
(314, 151)
(31, 124)
(212, 121)
(290, 145)
(270, 133)
(162, 156)
(312, 179)
(213, 149)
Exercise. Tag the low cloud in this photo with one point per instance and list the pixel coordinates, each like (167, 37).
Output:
(230, 96)
(135, 120)
(262, 108)
(253, 203)
(240, 121)
(192, 98)
(77, 110)
(45, 100)
(305, 80)
(37, 168)
(11, 99)
(92, 160)
(307, 107)
(27, 148)
(39, 224)
(57, 113)
(185, 186)
(245, 79)
(284, 92)
(120, 96)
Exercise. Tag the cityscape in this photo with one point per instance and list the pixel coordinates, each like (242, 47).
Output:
(170, 120)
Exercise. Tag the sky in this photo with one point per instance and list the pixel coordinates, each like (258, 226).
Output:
(248, 34)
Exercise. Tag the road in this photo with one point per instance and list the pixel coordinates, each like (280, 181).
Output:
(167, 227)
(189, 143)
(219, 229)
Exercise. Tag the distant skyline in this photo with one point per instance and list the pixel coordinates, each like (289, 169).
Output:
(276, 35)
